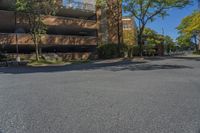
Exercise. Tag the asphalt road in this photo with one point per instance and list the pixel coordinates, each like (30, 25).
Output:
(158, 96)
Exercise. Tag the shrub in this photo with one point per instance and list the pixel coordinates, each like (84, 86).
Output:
(149, 50)
(131, 50)
(108, 51)
(3, 57)
(196, 52)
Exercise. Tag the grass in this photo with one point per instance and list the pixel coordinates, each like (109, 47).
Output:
(43, 62)
(80, 61)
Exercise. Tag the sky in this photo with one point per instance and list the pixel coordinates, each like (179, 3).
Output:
(169, 23)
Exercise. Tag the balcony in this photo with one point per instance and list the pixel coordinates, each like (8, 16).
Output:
(66, 21)
(26, 39)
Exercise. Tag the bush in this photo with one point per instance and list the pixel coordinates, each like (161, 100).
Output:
(131, 50)
(134, 50)
(108, 51)
(3, 58)
(149, 50)
(197, 52)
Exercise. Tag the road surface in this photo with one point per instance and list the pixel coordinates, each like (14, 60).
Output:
(161, 95)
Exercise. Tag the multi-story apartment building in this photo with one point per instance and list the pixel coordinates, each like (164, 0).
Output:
(129, 31)
(78, 26)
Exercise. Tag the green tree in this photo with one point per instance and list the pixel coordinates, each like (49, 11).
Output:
(152, 38)
(147, 10)
(184, 41)
(190, 27)
(19, 7)
(169, 44)
(33, 10)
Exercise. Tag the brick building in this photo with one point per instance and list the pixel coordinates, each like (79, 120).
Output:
(129, 31)
(78, 27)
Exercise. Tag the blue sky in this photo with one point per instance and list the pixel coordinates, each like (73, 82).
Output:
(170, 22)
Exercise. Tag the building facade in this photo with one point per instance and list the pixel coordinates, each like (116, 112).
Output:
(129, 31)
(78, 26)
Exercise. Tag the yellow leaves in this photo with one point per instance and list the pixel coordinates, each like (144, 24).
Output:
(130, 37)
(193, 24)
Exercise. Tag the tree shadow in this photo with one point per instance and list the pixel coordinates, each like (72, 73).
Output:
(146, 67)
(160, 58)
(188, 58)
(108, 66)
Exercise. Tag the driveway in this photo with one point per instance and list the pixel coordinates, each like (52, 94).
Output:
(160, 95)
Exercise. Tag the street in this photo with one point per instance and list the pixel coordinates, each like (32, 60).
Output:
(160, 95)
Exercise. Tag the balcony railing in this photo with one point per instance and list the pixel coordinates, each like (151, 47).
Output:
(80, 6)
(26, 39)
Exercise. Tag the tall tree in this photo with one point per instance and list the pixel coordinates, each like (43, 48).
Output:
(169, 44)
(19, 6)
(184, 42)
(146, 11)
(190, 27)
(33, 11)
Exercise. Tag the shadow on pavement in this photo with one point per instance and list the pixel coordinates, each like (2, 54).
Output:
(188, 58)
(172, 57)
(109, 66)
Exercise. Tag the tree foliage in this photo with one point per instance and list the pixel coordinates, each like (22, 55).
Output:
(152, 38)
(129, 37)
(148, 10)
(34, 10)
(190, 24)
(189, 28)
(184, 41)
(169, 44)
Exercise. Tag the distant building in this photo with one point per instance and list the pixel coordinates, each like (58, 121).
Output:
(129, 31)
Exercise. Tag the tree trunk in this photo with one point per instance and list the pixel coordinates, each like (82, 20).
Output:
(36, 48)
(37, 51)
(140, 39)
(16, 36)
(118, 26)
(140, 43)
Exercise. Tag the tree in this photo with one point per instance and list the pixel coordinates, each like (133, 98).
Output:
(153, 42)
(190, 24)
(129, 37)
(33, 11)
(151, 37)
(190, 27)
(147, 10)
(169, 44)
(184, 41)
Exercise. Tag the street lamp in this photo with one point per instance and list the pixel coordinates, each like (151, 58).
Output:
(18, 32)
